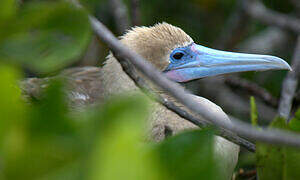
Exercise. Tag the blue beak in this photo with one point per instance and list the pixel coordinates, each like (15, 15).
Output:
(198, 61)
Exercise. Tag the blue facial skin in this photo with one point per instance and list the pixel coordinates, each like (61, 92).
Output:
(196, 61)
(188, 57)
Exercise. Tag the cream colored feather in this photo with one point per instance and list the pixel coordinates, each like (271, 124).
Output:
(156, 43)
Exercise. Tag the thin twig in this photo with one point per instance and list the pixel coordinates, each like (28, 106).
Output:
(119, 12)
(216, 90)
(259, 12)
(253, 88)
(296, 3)
(234, 28)
(297, 97)
(272, 136)
(289, 84)
(266, 41)
(135, 12)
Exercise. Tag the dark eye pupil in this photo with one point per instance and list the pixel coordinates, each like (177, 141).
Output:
(178, 55)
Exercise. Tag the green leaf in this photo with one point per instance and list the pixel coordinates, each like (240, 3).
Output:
(13, 134)
(10, 94)
(254, 119)
(120, 152)
(7, 10)
(91, 5)
(270, 159)
(292, 163)
(293, 155)
(294, 124)
(49, 115)
(297, 114)
(277, 162)
(51, 138)
(12, 109)
(189, 156)
(46, 36)
(279, 122)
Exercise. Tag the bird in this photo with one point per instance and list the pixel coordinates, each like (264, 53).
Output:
(180, 59)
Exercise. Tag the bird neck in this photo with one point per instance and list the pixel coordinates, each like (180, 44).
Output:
(115, 80)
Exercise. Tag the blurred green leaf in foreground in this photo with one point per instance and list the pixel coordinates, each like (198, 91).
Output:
(278, 162)
(43, 36)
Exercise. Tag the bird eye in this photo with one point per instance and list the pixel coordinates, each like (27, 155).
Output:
(178, 55)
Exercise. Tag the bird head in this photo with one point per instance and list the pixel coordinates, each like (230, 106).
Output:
(174, 52)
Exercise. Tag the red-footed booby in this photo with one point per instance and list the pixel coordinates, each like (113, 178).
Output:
(174, 52)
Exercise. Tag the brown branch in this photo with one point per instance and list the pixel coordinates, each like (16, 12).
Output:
(119, 12)
(290, 83)
(135, 12)
(252, 88)
(234, 28)
(296, 3)
(297, 96)
(216, 90)
(258, 11)
(265, 42)
(248, 174)
(92, 54)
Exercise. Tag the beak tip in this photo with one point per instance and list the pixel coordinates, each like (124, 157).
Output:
(283, 63)
(288, 67)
